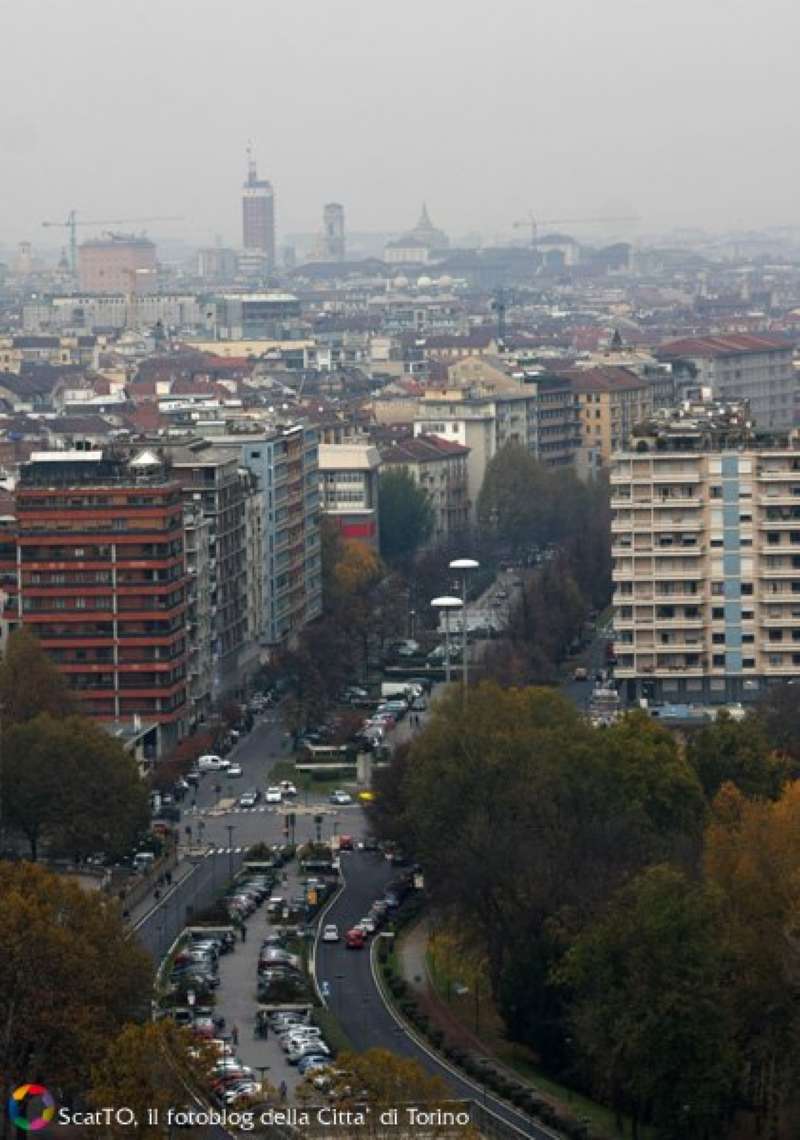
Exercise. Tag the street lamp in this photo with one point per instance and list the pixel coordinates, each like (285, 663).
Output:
(463, 566)
(445, 604)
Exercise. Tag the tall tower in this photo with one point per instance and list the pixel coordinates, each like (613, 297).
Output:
(333, 231)
(258, 215)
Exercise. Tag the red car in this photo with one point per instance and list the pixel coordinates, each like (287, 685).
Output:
(345, 843)
(354, 939)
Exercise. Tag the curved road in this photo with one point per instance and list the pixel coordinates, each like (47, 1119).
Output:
(355, 1000)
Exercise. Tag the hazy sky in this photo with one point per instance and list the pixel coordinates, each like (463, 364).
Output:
(682, 111)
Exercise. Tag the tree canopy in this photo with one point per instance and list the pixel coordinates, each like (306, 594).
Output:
(71, 784)
(405, 514)
(69, 978)
(30, 683)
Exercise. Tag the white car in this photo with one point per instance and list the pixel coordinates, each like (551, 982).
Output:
(288, 788)
(210, 763)
(312, 1048)
(330, 933)
(368, 925)
(235, 770)
(273, 795)
(340, 797)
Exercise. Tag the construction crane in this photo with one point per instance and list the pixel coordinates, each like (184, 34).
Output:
(533, 223)
(72, 224)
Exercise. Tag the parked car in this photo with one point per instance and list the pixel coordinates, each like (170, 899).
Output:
(249, 799)
(211, 763)
(273, 795)
(235, 770)
(340, 797)
(288, 789)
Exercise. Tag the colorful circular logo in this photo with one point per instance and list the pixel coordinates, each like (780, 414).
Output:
(17, 1103)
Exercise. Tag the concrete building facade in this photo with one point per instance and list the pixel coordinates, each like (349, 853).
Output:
(348, 482)
(706, 568)
(439, 467)
(258, 217)
(100, 578)
(753, 367)
(121, 263)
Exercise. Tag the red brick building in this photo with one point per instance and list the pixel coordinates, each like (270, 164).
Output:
(100, 578)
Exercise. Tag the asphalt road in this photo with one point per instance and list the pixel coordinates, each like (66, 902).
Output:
(355, 1000)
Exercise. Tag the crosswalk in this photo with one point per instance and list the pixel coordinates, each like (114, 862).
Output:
(296, 809)
(223, 851)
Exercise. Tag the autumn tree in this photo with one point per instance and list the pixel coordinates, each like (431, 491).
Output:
(737, 751)
(647, 984)
(149, 1066)
(30, 683)
(69, 978)
(753, 857)
(69, 783)
(385, 1080)
(406, 516)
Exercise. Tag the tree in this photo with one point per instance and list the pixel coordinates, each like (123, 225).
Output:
(30, 683)
(70, 977)
(647, 985)
(737, 751)
(752, 856)
(386, 1081)
(514, 500)
(406, 516)
(779, 713)
(149, 1066)
(69, 782)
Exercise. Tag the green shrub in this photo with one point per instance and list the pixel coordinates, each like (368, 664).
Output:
(436, 1038)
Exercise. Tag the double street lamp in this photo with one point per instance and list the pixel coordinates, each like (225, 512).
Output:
(446, 604)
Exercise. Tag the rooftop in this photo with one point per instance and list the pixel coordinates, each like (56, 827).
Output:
(732, 344)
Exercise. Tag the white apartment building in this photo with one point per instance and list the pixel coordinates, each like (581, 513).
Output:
(348, 485)
(706, 567)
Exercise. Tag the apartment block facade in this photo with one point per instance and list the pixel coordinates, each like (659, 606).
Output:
(348, 481)
(285, 462)
(706, 552)
(439, 467)
(100, 578)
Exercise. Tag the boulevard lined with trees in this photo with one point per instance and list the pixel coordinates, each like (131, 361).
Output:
(637, 898)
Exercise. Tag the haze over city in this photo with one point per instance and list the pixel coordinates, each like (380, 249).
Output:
(677, 113)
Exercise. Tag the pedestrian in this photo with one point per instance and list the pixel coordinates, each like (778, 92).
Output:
(283, 1090)
(126, 914)
(235, 1034)
(244, 933)
(156, 894)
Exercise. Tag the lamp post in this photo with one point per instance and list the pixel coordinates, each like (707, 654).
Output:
(462, 566)
(445, 604)
(230, 828)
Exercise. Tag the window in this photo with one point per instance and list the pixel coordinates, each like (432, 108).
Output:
(747, 588)
(749, 663)
(718, 638)
(718, 660)
(747, 638)
(717, 613)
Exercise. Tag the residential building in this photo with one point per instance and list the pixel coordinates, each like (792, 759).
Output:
(199, 610)
(212, 483)
(120, 263)
(706, 558)
(17, 351)
(753, 367)
(610, 402)
(285, 462)
(255, 316)
(348, 483)
(101, 580)
(216, 263)
(541, 415)
(258, 216)
(439, 467)
(106, 310)
(255, 504)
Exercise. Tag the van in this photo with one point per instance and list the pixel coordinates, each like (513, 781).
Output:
(143, 860)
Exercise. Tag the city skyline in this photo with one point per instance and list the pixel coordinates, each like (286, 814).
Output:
(568, 112)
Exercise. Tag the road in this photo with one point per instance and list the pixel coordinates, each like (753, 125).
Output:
(356, 1002)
